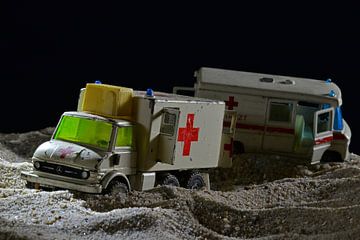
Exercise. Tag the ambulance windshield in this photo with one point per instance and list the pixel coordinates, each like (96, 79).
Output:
(92, 132)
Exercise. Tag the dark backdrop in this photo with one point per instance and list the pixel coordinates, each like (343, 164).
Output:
(49, 51)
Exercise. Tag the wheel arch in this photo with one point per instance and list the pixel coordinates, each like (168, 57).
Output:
(115, 175)
(331, 155)
(239, 147)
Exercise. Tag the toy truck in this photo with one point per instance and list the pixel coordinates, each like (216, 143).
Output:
(279, 115)
(120, 139)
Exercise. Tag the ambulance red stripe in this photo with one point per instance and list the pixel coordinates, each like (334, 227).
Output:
(281, 130)
(250, 127)
(323, 140)
(260, 128)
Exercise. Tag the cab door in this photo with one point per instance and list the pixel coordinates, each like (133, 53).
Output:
(168, 135)
(323, 132)
(279, 128)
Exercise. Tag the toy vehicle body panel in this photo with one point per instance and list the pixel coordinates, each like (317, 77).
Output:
(277, 114)
(178, 132)
(164, 133)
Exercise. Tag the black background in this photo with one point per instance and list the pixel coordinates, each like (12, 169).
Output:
(51, 50)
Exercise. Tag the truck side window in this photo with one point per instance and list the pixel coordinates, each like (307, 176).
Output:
(124, 137)
(168, 124)
(323, 122)
(280, 112)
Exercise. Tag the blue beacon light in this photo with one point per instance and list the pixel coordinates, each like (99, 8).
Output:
(149, 92)
(332, 93)
(97, 82)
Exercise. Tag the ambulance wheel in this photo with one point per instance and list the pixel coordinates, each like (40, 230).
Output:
(195, 181)
(331, 156)
(170, 180)
(30, 185)
(116, 187)
(238, 147)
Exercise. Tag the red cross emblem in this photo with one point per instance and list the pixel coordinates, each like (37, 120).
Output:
(188, 134)
(229, 147)
(65, 151)
(231, 103)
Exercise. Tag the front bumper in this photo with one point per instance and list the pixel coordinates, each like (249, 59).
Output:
(49, 182)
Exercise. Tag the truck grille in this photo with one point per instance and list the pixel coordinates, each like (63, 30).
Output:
(60, 170)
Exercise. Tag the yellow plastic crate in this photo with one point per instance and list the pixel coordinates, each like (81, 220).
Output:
(106, 100)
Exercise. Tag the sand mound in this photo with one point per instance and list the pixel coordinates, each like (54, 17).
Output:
(261, 197)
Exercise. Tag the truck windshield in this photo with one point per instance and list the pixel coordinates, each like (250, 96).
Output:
(83, 130)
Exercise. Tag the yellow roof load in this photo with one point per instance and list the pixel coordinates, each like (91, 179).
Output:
(106, 100)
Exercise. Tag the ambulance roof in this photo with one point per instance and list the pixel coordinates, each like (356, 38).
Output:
(170, 97)
(261, 81)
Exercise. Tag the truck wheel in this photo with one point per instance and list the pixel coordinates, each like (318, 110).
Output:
(238, 147)
(331, 156)
(195, 181)
(170, 180)
(30, 185)
(116, 187)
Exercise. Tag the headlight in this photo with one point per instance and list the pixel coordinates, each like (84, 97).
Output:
(37, 165)
(85, 174)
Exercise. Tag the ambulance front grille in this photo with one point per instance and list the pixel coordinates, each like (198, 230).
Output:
(60, 170)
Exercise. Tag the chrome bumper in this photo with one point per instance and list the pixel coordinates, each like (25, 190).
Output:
(49, 182)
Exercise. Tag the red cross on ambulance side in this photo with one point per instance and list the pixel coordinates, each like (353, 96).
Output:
(188, 134)
(231, 103)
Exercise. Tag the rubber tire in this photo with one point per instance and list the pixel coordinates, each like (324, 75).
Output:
(238, 148)
(331, 156)
(116, 187)
(30, 185)
(170, 180)
(195, 181)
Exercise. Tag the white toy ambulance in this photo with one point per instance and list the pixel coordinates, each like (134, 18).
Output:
(120, 139)
(289, 116)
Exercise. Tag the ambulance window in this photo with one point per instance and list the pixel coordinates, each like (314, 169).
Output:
(280, 112)
(326, 106)
(168, 124)
(323, 122)
(124, 137)
(307, 110)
